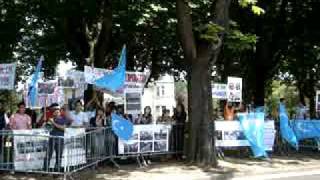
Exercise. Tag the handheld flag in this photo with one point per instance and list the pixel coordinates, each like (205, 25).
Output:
(253, 128)
(286, 131)
(33, 85)
(121, 127)
(115, 80)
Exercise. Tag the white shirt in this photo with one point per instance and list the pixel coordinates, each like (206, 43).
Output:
(79, 119)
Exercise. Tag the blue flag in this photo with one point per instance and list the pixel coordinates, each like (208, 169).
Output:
(253, 128)
(115, 80)
(32, 91)
(305, 129)
(121, 127)
(285, 130)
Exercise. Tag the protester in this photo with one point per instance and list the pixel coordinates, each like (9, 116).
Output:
(20, 120)
(229, 112)
(301, 112)
(180, 118)
(79, 118)
(147, 116)
(4, 120)
(110, 108)
(56, 143)
(99, 120)
(165, 118)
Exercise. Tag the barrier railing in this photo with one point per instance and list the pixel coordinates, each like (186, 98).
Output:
(36, 151)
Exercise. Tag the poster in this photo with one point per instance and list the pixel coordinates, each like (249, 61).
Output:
(135, 81)
(47, 88)
(133, 103)
(7, 76)
(146, 139)
(219, 91)
(230, 134)
(234, 89)
(30, 147)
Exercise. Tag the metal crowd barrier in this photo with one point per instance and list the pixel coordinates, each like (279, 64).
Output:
(56, 155)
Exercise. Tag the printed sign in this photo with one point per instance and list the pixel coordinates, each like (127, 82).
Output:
(46, 88)
(133, 103)
(7, 76)
(230, 134)
(234, 89)
(219, 91)
(30, 148)
(318, 101)
(146, 139)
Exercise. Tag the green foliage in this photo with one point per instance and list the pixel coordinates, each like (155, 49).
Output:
(277, 90)
(210, 32)
(254, 8)
(236, 41)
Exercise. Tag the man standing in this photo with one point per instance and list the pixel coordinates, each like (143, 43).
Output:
(56, 140)
(79, 118)
(20, 120)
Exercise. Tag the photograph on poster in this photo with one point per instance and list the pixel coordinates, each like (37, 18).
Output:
(135, 136)
(146, 146)
(146, 136)
(160, 146)
(132, 147)
(218, 135)
(234, 135)
(160, 135)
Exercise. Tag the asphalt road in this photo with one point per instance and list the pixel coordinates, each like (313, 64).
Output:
(305, 177)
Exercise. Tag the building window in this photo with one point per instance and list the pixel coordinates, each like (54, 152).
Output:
(162, 88)
(158, 91)
(158, 109)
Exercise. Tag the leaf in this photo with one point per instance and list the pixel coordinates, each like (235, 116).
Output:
(257, 10)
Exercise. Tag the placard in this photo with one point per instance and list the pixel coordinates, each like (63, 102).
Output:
(30, 148)
(230, 134)
(133, 103)
(234, 89)
(7, 76)
(146, 139)
(47, 88)
(219, 91)
(318, 101)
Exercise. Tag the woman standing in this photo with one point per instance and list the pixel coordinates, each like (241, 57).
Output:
(98, 135)
(180, 118)
(147, 116)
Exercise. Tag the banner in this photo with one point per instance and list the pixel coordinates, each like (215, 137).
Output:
(135, 81)
(234, 89)
(146, 139)
(7, 76)
(47, 88)
(219, 91)
(253, 128)
(305, 129)
(231, 134)
(30, 148)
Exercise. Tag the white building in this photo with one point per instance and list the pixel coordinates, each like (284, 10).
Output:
(160, 94)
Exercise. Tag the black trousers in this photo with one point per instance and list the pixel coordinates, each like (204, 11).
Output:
(55, 144)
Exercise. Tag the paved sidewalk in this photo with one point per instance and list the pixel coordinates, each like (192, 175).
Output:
(229, 168)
